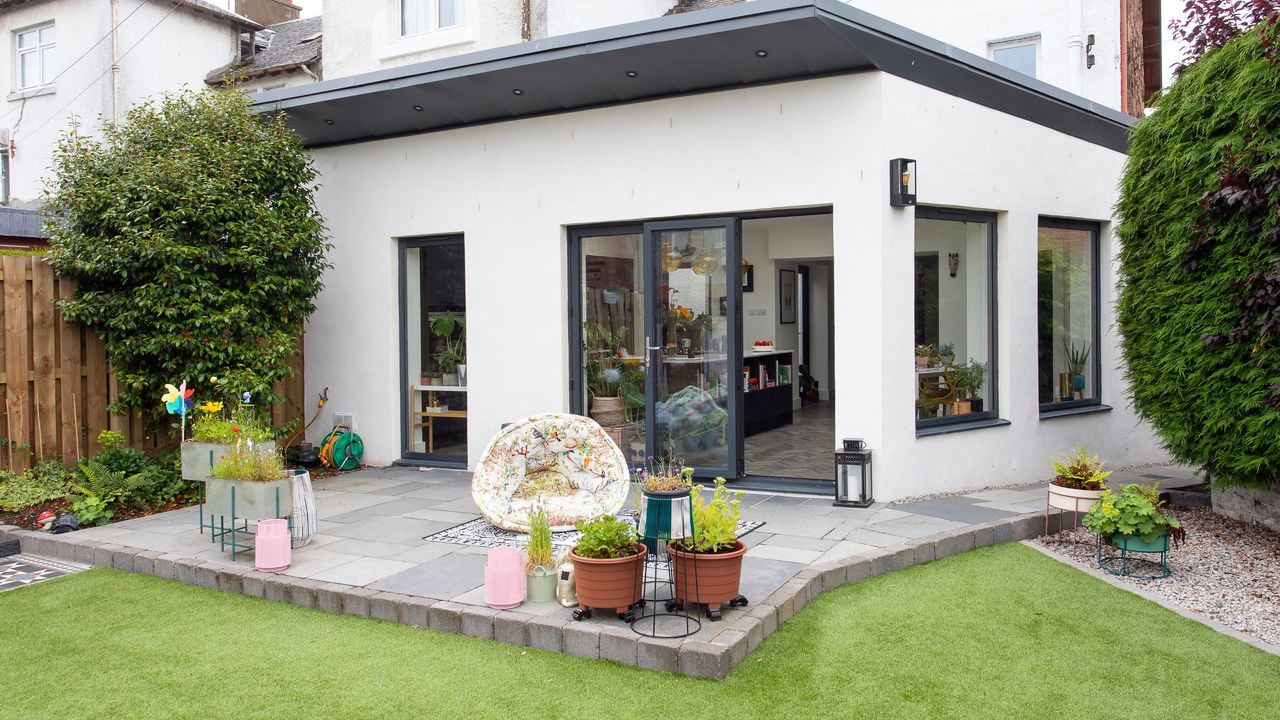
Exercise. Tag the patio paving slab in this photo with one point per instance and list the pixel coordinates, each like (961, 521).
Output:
(382, 528)
(362, 571)
(443, 578)
(787, 554)
(960, 509)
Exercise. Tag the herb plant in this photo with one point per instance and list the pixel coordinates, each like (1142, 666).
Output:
(605, 537)
(540, 552)
(715, 521)
(1134, 512)
(1078, 471)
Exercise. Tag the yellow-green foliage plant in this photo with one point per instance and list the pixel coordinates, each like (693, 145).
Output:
(715, 521)
(540, 552)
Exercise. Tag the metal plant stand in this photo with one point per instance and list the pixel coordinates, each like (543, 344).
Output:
(230, 530)
(659, 617)
(1135, 564)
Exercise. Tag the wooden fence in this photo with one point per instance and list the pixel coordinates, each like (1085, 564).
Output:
(56, 385)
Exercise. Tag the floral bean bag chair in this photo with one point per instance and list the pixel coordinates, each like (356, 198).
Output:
(565, 463)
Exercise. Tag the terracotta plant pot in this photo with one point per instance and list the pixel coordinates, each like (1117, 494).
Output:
(962, 407)
(708, 578)
(1072, 500)
(613, 584)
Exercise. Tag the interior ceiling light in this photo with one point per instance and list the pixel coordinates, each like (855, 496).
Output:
(327, 121)
(418, 108)
(517, 91)
(632, 73)
(762, 53)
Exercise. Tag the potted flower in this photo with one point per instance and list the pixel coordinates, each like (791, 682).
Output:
(1079, 480)
(665, 509)
(708, 564)
(607, 567)
(947, 353)
(924, 353)
(1133, 521)
(540, 562)
(215, 432)
(250, 483)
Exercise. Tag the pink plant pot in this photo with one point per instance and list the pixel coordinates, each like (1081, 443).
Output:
(504, 578)
(272, 546)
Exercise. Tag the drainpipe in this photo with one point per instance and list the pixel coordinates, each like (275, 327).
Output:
(1075, 45)
(115, 61)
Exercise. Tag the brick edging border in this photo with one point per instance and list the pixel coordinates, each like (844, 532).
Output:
(711, 658)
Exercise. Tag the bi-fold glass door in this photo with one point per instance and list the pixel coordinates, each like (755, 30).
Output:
(657, 332)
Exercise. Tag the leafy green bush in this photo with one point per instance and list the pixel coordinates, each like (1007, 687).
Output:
(97, 492)
(605, 537)
(1199, 304)
(1135, 511)
(118, 457)
(192, 231)
(161, 480)
(715, 521)
(40, 484)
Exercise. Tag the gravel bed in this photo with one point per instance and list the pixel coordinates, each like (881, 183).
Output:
(1227, 571)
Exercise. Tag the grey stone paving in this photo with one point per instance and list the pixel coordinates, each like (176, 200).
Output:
(369, 558)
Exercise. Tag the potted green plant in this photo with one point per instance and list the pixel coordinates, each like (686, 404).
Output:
(250, 483)
(602, 348)
(215, 432)
(607, 566)
(451, 359)
(975, 378)
(707, 565)
(1079, 480)
(1077, 359)
(1132, 520)
(947, 353)
(924, 353)
(925, 409)
(965, 380)
(540, 559)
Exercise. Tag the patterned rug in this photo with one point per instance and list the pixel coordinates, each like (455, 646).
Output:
(479, 533)
(22, 570)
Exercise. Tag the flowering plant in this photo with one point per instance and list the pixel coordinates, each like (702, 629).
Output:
(664, 475)
(215, 423)
(250, 462)
(1135, 511)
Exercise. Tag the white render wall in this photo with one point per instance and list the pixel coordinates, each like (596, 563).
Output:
(181, 50)
(512, 188)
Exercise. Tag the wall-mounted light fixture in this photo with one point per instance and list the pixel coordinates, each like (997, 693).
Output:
(953, 263)
(902, 182)
(1089, 59)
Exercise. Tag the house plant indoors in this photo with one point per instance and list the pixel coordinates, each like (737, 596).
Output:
(1132, 521)
(540, 561)
(1079, 480)
(607, 567)
(924, 355)
(451, 358)
(708, 564)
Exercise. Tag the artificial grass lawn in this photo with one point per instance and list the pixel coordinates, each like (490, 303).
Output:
(997, 632)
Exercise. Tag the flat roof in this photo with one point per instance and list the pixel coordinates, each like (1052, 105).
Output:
(760, 42)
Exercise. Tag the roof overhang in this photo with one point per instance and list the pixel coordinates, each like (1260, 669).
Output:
(196, 6)
(667, 56)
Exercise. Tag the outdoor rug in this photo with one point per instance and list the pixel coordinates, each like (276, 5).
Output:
(479, 533)
(23, 570)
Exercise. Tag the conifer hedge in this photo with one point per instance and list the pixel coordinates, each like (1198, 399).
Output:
(1199, 304)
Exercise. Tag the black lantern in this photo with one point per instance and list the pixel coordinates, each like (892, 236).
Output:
(902, 182)
(853, 474)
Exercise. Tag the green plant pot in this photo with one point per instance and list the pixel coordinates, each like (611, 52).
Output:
(1133, 543)
(542, 584)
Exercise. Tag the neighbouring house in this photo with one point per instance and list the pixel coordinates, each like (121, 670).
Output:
(59, 75)
(1108, 51)
(680, 225)
(289, 55)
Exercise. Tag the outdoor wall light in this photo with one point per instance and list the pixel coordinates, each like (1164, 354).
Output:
(762, 53)
(902, 182)
(953, 263)
(853, 474)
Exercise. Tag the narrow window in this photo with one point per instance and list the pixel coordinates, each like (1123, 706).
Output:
(1068, 313)
(434, 318)
(450, 13)
(414, 16)
(955, 319)
(35, 64)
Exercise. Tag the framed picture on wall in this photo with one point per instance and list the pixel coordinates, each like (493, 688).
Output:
(786, 296)
(749, 278)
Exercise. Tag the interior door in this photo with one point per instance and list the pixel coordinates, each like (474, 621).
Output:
(693, 345)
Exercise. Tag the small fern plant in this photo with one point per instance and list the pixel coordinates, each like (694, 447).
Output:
(715, 521)
(539, 553)
(98, 491)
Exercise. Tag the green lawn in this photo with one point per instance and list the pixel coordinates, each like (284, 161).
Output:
(998, 632)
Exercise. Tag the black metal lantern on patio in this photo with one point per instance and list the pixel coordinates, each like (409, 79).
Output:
(853, 474)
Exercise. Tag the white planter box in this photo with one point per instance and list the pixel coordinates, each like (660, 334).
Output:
(253, 500)
(199, 458)
(1072, 500)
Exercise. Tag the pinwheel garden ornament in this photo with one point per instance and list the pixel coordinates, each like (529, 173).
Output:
(177, 401)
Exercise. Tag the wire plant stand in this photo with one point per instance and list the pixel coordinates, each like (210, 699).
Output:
(659, 617)
(1135, 563)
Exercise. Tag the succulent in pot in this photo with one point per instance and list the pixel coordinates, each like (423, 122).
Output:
(607, 567)
(1079, 480)
(707, 565)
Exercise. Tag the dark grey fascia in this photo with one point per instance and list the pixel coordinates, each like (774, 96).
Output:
(673, 55)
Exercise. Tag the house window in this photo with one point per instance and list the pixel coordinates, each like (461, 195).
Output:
(1018, 54)
(1068, 313)
(955, 319)
(34, 64)
(419, 16)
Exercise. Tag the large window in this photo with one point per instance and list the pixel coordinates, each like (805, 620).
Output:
(955, 317)
(1018, 54)
(1068, 313)
(419, 16)
(434, 321)
(34, 63)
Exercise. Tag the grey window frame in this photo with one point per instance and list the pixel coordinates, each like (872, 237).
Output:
(1095, 363)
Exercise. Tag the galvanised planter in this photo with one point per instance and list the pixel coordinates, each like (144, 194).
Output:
(199, 458)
